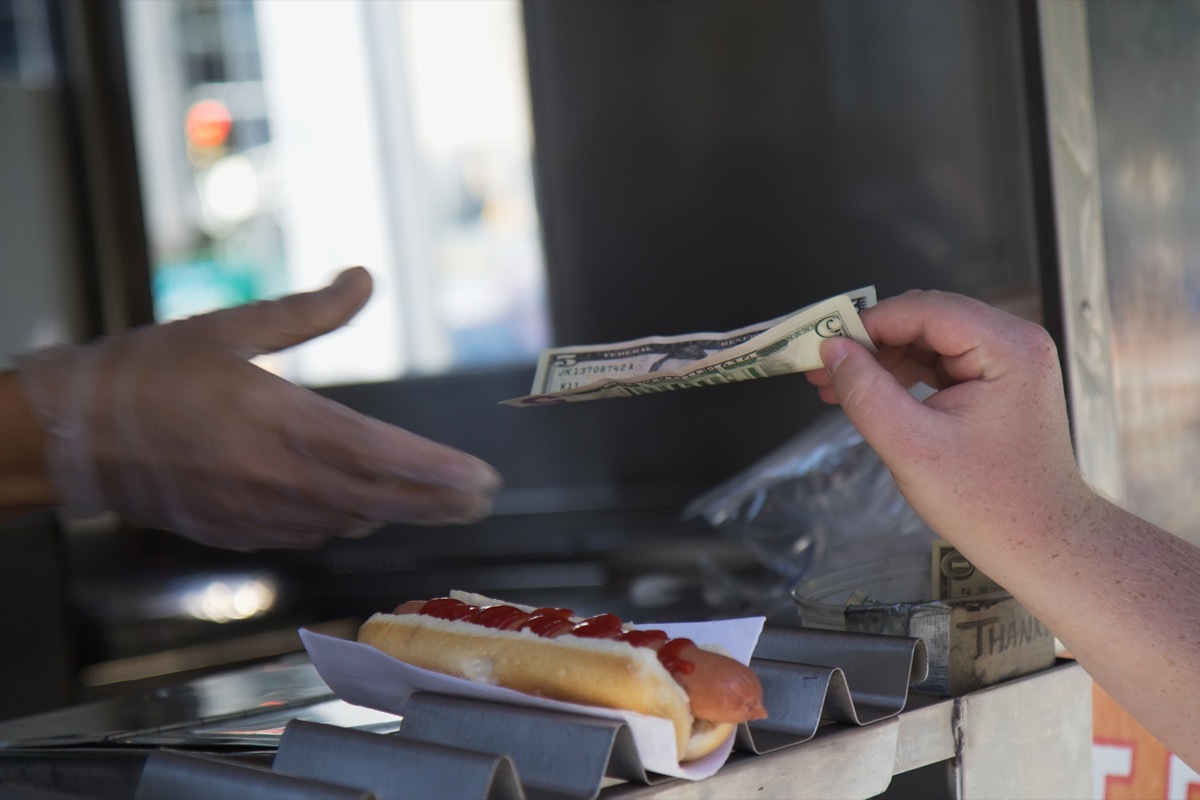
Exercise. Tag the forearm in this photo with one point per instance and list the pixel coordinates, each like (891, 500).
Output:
(24, 484)
(1122, 596)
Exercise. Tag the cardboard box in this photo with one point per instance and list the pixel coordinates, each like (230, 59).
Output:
(972, 643)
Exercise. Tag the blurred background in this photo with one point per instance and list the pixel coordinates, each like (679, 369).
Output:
(524, 174)
(277, 140)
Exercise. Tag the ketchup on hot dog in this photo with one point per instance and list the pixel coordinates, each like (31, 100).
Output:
(550, 623)
(719, 689)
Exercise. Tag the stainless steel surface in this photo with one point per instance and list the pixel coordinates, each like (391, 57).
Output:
(1031, 738)
(1027, 738)
(392, 767)
(1071, 124)
(806, 692)
(878, 669)
(1144, 73)
(85, 772)
(1041, 722)
(924, 737)
(180, 776)
(842, 763)
(556, 754)
(163, 716)
(805, 677)
(572, 756)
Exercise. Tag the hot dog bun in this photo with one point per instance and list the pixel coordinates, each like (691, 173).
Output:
(597, 672)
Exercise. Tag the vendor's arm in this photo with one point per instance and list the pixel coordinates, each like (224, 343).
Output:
(175, 427)
(24, 485)
(987, 461)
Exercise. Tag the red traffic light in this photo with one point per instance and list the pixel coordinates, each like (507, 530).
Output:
(207, 123)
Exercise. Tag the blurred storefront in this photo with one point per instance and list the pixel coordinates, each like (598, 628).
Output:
(278, 140)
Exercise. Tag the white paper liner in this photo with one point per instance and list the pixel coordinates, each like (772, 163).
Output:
(365, 676)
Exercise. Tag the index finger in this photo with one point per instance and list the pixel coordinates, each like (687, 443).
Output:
(970, 337)
(366, 446)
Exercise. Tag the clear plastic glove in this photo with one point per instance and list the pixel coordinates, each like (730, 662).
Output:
(173, 427)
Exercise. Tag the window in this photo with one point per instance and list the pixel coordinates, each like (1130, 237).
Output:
(279, 141)
(25, 54)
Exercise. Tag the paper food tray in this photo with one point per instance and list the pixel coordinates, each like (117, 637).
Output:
(365, 676)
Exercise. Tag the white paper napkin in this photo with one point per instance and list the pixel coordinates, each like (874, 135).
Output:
(365, 676)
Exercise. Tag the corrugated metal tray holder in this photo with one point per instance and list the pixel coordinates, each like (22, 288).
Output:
(556, 754)
(394, 767)
(810, 675)
(465, 748)
(190, 776)
(315, 760)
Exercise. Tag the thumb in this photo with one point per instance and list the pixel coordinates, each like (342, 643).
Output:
(874, 401)
(272, 325)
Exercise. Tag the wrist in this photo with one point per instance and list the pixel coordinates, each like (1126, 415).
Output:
(24, 481)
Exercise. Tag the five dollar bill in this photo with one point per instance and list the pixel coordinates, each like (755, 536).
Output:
(655, 364)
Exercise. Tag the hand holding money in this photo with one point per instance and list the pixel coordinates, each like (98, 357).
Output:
(988, 462)
(983, 459)
(666, 363)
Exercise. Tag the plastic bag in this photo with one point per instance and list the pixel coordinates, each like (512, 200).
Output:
(821, 503)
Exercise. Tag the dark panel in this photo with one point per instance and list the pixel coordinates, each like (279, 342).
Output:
(645, 451)
(36, 672)
(102, 159)
(704, 165)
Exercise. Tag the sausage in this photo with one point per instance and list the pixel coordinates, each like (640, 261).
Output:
(719, 688)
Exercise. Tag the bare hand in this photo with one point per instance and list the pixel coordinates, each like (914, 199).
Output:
(991, 449)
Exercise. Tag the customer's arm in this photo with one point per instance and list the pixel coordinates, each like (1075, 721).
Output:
(987, 461)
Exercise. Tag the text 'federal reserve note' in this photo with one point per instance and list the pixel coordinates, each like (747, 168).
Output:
(655, 364)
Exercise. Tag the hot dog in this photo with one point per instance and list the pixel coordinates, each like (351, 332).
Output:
(550, 652)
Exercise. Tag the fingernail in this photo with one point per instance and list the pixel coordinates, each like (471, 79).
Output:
(345, 278)
(478, 510)
(472, 475)
(833, 353)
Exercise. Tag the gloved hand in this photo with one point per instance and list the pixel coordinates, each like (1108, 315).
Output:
(173, 427)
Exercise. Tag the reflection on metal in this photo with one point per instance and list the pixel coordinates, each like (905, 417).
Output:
(1145, 71)
(393, 767)
(841, 762)
(233, 650)
(1071, 123)
(182, 776)
(166, 716)
(1029, 737)
(556, 754)
(811, 675)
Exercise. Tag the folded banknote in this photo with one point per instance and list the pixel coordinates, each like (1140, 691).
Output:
(655, 364)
